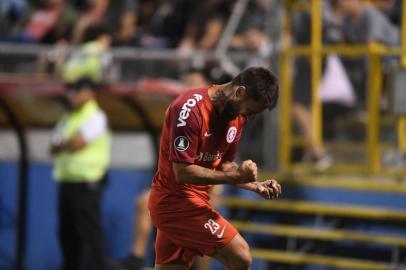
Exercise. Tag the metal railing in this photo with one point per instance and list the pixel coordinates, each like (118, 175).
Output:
(315, 51)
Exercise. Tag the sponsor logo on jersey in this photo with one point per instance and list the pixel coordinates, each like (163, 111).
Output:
(186, 108)
(231, 133)
(181, 143)
(209, 157)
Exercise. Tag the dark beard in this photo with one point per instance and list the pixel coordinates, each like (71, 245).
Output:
(230, 111)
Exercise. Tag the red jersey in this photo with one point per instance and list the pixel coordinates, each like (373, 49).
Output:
(193, 132)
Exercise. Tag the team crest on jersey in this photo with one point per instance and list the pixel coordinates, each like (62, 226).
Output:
(181, 143)
(231, 133)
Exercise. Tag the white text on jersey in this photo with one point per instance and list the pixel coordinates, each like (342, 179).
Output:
(209, 157)
(187, 106)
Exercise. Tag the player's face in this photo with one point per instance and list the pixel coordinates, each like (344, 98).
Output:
(231, 110)
(249, 108)
(246, 107)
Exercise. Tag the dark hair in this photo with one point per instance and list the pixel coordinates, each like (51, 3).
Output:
(261, 84)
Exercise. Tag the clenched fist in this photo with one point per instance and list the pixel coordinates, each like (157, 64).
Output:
(248, 171)
(269, 189)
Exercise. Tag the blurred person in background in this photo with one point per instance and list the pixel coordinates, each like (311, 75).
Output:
(205, 26)
(94, 12)
(363, 24)
(253, 32)
(95, 43)
(48, 22)
(81, 146)
(121, 20)
(92, 58)
(11, 12)
(195, 77)
(199, 142)
(162, 23)
(336, 90)
(344, 22)
(317, 155)
(391, 8)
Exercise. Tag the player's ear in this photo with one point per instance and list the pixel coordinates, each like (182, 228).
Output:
(240, 92)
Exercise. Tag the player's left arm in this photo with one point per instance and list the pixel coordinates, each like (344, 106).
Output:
(268, 189)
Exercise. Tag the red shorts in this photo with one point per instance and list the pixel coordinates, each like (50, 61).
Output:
(187, 227)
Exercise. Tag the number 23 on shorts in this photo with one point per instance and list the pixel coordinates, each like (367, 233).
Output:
(214, 228)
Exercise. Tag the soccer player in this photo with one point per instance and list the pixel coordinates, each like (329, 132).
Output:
(197, 76)
(200, 136)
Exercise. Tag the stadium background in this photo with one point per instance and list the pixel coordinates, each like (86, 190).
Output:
(341, 209)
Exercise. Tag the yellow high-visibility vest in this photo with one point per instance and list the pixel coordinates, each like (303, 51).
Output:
(90, 163)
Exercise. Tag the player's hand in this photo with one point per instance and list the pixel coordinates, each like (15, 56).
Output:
(269, 189)
(247, 172)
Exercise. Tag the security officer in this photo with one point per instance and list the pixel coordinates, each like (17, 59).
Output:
(81, 146)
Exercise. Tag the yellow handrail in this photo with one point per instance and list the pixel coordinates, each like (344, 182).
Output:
(286, 97)
(316, 45)
(402, 119)
(315, 51)
(373, 123)
(403, 35)
(349, 50)
(402, 133)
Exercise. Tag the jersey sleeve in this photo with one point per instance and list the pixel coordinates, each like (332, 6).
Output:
(231, 153)
(183, 139)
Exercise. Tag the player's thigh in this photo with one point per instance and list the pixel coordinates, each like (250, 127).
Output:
(236, 252)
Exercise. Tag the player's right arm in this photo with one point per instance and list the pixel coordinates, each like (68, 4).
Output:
(268, 189)
(187, 173)
(184, 122)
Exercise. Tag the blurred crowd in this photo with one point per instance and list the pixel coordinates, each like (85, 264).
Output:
(189, 25)
(155, 24)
